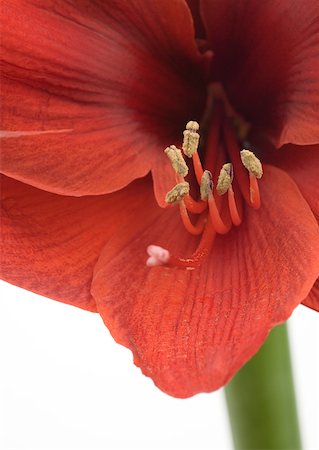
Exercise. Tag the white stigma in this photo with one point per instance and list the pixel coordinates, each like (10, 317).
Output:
(158, 256)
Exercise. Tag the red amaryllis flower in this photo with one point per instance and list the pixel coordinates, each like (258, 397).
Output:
(92, 92)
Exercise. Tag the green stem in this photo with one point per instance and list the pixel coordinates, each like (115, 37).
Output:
(261, 401)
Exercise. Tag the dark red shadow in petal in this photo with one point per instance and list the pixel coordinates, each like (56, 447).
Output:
(266, 54)
(200, 32)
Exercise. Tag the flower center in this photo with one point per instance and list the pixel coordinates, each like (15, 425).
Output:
(226, 177)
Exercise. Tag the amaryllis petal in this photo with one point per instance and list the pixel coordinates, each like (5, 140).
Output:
(266, 54)
(191, 330)
(89, 90)
(312, 301)
(302, 163)
(50, 243)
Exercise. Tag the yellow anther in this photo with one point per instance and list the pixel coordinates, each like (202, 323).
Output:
(192, 125)
(176, 158)
(177, 193)
(191, 138)
(206, 185)
(225, 179)
(251, 162)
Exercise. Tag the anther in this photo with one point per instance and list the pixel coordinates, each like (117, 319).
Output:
(252, 163)
(158, 256)
(192, 125)
(206, 185)
(176, 158)
(215, 214)
(178, 192)
(225, 179)
(191, 138)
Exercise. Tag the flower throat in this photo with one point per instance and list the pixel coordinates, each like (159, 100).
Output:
(231, 181)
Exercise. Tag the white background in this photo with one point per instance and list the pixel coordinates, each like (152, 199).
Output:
(65, 384)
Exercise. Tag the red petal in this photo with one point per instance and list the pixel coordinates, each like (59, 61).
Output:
(302, 163)
(50, 243)
(312, 301)
(192, 330)
(93, 91)
(266, 54)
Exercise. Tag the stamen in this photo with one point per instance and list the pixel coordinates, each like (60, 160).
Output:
(218, 223)
(193, 206)
(197, 167)
(158, 256)
(190, 146)
(234, 213)
(192, 229)
(191, 138)
(254, 191)
(178, 192)
(239, 170)
(206, 189)
(225, 179)
(192, 125)
(206, 185)
(177, 160)
(221, 216)
(252, 163)
(224, 184)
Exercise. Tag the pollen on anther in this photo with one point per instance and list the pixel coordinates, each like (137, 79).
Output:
(178, 192)
(176, 158)
(206, 185)
(225, 179)
(251, 162)
(192, 125)
(191, 138)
